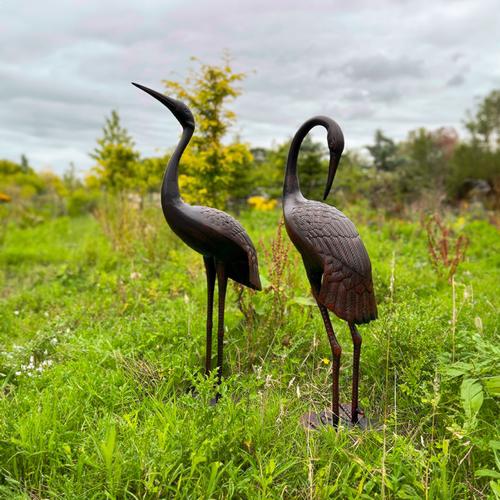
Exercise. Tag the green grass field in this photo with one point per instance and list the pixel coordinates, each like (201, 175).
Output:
(103, 337)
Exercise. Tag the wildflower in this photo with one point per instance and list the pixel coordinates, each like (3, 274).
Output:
(325, 361)
(54, 341)
(16, 312)
(135, 275)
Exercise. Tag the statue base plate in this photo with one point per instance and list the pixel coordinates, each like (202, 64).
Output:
(313, 420)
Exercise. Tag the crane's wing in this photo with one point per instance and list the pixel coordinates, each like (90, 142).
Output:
(226, 225)
(346, 286)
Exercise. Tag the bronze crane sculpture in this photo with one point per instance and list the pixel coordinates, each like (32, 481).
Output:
(335, 259)
(227, 250)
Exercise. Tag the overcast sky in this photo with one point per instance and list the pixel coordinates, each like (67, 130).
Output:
(370, 64)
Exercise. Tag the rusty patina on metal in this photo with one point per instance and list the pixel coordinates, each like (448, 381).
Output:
(224, 244)
(335, 260)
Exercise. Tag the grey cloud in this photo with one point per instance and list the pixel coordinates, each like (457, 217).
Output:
(456, 81)
(381, 94)
(460, 21)
(370, 63)
(456, 56)
(48, 87)
(380, 67)
(355, 94)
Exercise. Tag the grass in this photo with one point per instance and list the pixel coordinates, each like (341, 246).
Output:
(102, 344)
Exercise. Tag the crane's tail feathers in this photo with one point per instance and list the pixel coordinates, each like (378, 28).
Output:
(354, 306)
(245, 273)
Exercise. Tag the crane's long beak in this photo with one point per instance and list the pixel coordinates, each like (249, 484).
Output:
(167, 101)
(332, 170)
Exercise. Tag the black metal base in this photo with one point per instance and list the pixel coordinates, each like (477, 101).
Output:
(314, 421)
(214, 400)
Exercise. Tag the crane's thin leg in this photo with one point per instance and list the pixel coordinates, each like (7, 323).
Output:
(222, 281)
(336, 352)
(356, 341)
(210, 271)
(315, 281)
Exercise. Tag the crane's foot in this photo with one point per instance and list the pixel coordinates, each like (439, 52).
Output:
(314, 420)
(212, 401)
(195, 394)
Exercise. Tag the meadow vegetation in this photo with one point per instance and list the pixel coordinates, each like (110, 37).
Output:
(102, 330)
(103, 342)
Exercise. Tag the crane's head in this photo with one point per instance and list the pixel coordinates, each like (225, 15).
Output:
(178, 108)
(335, 139)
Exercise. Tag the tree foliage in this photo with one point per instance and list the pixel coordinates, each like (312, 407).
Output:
(116, 157)
(423, 170)
(18, 181)
(476, 163)
(312, 168)
(212, 172)
(426, 156)
(384, 152)
(484, 126)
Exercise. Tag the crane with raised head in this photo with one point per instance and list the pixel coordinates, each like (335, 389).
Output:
(227, 250)
(336, 262)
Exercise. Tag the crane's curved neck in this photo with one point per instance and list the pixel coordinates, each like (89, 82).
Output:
(170, 185)
(291, 185)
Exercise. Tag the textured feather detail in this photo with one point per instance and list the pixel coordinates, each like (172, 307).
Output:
(232, 229)
(346, 286)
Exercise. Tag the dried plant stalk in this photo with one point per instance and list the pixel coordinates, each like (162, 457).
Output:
(446, 251)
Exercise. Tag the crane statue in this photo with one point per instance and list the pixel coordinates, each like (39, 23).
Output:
(336, 262)
(227, 250)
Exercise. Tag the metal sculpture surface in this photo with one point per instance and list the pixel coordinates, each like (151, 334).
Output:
(335, 259)
(227, 249)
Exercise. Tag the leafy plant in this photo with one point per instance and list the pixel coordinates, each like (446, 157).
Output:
(116, 159)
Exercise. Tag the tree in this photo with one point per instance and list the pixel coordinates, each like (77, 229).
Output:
(312, 165)
(384, 152)
(484, 126)
(25, 166)
(149, 172)
(212, 172)
(18, 182)
(115, 156)
(427, 158)
(477, 161)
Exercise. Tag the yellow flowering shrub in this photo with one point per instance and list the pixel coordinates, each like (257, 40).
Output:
(261, 203)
